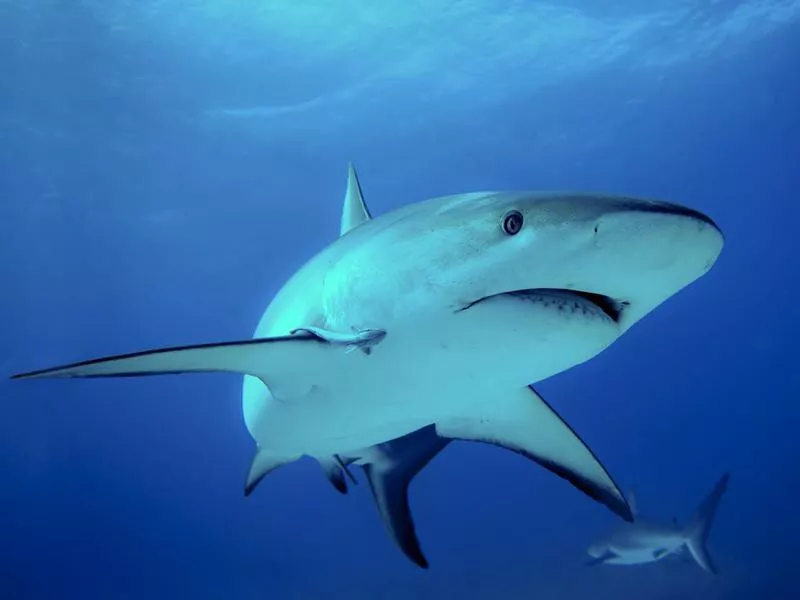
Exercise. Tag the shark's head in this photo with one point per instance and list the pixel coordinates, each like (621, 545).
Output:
(626, 255)
(599, 549)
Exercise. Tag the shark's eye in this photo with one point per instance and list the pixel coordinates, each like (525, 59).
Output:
(512, 222)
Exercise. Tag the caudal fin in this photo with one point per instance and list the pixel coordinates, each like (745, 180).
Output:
(701, 525)
(390, 469)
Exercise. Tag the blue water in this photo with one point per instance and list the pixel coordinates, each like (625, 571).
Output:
(165, 166)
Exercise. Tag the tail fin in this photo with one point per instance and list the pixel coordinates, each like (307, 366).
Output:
(697, 532)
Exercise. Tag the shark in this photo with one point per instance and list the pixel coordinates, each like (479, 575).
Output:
(391, 466)
(442, 314)
(646, 541)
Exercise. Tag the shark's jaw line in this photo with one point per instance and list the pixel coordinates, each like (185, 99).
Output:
(608, 306)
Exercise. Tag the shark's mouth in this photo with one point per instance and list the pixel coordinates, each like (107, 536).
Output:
(610, 307)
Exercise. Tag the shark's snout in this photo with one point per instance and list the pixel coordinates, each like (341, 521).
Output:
(662, 233)
(676, 210)
(625, 255)
(643, 252)
(596, 550)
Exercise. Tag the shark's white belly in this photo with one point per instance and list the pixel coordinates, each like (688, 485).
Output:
(636, 557)
(427, 369)
(643, 543)
(644, 554)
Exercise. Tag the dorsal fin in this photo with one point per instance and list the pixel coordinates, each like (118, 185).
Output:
(354, 211)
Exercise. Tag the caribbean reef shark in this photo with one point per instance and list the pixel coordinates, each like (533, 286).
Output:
(646, 541)
(442, 314)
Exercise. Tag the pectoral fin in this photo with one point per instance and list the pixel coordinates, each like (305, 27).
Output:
(660, 553)
(599, 560)
(293, 358)
(521, 420)
(632, 504)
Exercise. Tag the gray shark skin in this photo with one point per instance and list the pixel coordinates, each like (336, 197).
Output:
(443, 313)
(644, 541)
(390, 468)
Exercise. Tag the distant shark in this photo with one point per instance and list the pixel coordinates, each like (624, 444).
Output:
(440, 314)
(646, 541)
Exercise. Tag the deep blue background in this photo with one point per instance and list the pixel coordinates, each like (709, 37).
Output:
(165, 165)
